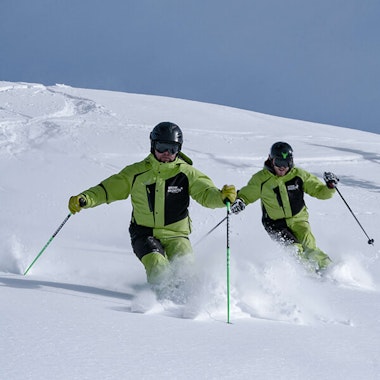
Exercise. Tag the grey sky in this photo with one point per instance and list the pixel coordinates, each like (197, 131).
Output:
(303, 59)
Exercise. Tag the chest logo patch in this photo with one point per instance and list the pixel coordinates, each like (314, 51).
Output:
(293, 187)
(174, 189)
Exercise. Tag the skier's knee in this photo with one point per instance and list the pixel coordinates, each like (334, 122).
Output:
(156, 267)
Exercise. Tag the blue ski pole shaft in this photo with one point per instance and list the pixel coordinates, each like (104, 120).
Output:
(49, 241)
(228, 260)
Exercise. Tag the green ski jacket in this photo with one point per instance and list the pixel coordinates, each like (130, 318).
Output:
(160, 194)
(283, 197)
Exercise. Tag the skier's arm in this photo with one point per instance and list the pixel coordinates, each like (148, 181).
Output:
(203, 190)
(112, 189)
(316, 188)
(251, 192)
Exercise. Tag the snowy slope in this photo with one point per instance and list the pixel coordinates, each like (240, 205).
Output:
(83, 312)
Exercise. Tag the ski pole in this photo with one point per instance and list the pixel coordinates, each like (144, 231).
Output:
(228, 259)
(49, 241)
(208, 233)
(370, 241)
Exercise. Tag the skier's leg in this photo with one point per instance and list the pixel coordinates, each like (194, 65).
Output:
(311, 252)
(180, 255)
(156, 267)
(181, 258)
(177, 247)
(152, 254)
(279, 231)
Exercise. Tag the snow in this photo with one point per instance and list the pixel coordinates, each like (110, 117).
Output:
(83, 310)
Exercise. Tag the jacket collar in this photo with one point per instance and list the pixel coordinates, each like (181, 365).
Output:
(162, 165)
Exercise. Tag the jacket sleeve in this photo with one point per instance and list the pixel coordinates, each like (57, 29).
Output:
(251, 192)
(203, 190)
(315, 187)
(114, 188)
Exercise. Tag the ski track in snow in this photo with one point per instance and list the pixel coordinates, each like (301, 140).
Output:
(19, 130)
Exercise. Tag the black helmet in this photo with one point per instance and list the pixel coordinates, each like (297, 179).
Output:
(282, 154)
(166, 132)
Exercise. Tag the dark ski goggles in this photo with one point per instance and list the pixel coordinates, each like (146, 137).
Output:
(282, 163)
(162, 146)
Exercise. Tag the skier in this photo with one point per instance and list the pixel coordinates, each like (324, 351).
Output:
(281, 188)
(160, 187)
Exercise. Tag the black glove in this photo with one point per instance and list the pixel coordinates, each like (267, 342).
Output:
(331, 179)
(237, 206)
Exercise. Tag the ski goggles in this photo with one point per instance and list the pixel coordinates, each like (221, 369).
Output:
(282, 163)
(163, 146)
